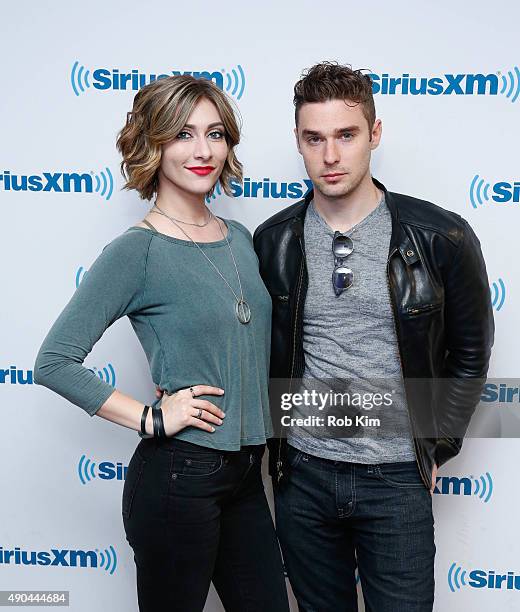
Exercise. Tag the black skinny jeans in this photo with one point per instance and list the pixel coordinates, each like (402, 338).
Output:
(193, 515)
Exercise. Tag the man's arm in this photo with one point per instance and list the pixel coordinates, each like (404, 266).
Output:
(469, 338)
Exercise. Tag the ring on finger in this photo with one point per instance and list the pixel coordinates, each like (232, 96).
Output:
(192, 392)
(199, 415)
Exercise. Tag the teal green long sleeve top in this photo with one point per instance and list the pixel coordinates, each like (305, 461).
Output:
(183, 314)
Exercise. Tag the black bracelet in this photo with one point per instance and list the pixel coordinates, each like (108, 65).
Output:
(158, 423)
(143, 420)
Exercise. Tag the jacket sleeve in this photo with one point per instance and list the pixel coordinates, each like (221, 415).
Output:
(469, 338)
(110, 289)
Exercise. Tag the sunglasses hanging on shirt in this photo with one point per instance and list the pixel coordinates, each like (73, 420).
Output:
(342, 275)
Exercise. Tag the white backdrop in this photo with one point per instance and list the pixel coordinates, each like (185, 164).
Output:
(61, 473)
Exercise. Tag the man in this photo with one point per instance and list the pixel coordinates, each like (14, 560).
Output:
(367, 284)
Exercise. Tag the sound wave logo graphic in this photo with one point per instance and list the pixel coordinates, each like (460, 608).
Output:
(510, 84)
(107, 559)
(104, 183)
(216, 192)
(498, 294)
(456, 577)
(106, 374)
(86, 469)
(483, 487)
(235, 82)
(80, 275)
(79, 78)
(478, 191)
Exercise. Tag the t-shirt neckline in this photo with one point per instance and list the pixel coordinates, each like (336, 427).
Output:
(189, 243)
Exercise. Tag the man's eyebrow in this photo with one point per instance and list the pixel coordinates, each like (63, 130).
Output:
(211, 125)
(351, 128)
(311, 133)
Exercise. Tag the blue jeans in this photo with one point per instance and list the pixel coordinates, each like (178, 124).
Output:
(333, 517)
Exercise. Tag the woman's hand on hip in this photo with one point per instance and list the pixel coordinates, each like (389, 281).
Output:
(183, 409)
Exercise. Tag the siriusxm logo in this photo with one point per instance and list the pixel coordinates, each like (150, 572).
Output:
(233, 80)
(101, 183)
(266, 188)
(105, 470)
(105, 559)
(501, 393)
(492, 84)
(503, 192)
(481, 579)
(15, 376)
(481, 487)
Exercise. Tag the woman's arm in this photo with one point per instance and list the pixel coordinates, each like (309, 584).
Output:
(112, 288)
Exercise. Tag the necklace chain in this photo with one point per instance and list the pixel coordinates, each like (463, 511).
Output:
(161, 212)
(211, 216)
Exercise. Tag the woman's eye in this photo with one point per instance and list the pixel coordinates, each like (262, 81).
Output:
(183, 135)
(216, 135)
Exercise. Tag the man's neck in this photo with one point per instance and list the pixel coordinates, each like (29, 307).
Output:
(343, 213)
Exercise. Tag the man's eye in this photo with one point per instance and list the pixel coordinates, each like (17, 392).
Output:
(347, 136)
(313, 139)
(184, 135)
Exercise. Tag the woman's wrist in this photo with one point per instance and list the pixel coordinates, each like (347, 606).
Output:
(149, 423)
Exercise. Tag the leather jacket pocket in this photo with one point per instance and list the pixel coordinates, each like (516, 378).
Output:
(420, 309)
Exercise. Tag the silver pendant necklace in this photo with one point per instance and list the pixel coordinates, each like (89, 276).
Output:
(242, 310)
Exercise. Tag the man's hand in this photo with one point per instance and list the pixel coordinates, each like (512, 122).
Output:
(434, 478)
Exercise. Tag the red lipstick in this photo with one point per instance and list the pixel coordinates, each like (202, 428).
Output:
(201, 170)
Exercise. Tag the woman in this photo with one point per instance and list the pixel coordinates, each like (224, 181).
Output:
(194, 508)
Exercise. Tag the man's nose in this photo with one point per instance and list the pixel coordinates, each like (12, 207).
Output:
(331, 153)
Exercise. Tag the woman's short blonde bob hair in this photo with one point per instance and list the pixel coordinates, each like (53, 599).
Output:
(160, 111)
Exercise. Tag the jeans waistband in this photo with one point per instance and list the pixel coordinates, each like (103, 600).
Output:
(172, 443)
(335, 464)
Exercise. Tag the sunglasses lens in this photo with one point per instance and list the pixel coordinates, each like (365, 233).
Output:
(342, 246)
(342, 278)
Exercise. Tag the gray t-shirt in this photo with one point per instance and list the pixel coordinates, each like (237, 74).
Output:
(184, 317)
(352, 338)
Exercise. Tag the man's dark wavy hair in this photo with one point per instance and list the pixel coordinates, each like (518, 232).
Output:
(333, 81)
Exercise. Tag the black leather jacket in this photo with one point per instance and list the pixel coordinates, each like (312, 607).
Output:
(442, 311)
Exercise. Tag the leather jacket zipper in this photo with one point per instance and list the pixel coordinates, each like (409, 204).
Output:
(394, 319)
(279, 472)
(420, 309)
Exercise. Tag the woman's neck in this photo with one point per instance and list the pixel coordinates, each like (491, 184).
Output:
(182, 205)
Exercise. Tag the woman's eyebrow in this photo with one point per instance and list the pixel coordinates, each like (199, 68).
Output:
(211, 125)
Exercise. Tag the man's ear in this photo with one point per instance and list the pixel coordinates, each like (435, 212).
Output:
(297, 140)
(377, 130)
